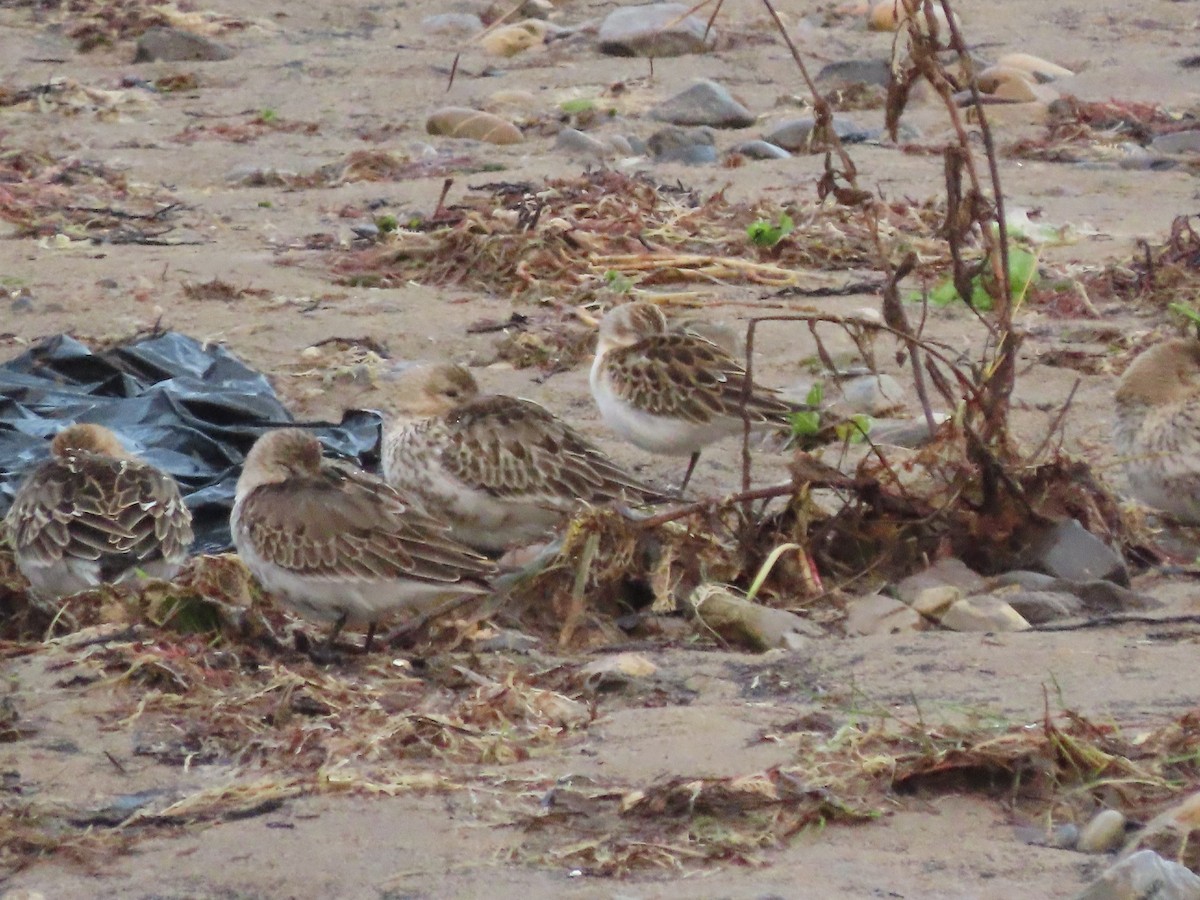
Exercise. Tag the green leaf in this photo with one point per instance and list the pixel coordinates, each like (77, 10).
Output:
(386, 223)
(815, 395)
(763, 234)
(855, 429)
(1187, 312)
(576, 106)
(806, 423)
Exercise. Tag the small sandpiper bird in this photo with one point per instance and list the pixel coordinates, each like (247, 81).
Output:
(339, 545)
(1158, 428)
(92, 514)
(673, 393)
(500, 471)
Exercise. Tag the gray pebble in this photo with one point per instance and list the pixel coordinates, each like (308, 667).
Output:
(1177, 142)
(695, 146)
(1067, 550)
(704, 103)
(855, 71)
(574, 142)
(173, 45)
(655, 30)
(1039, 607)
(761, 150)
(1144, 876)
(797, 134)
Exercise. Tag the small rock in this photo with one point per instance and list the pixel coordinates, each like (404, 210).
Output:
(620, 144)
(1039, 607)
(509, 40)
(869, 394)
(993, 76)
(948, 571)
(1144, 876)
(797, 134)
(173, 45)
(461, 122)
(511, 100)
(704, 103)
(761, 150)
(983, 614)
(1018, 90)
(1105, 832)
(855, 71)
(1041, 70)
(694, 146)
(908, 433)
(933, 602)
(880, 614)
(576, 143)
(616, 670)
(452, 23)
(1177, 142)
(1066, 550)
(886, 15)
(655, 30)
(1061, 837)
(737, 619)
(1095, 596)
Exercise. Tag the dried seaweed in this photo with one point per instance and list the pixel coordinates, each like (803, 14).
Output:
(573, 234)
(44, 195)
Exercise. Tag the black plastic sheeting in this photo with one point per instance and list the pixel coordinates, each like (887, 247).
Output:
(190, 409)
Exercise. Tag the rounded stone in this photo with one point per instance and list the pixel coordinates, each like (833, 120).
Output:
(694, 146)
(761, 150)
(704, 103)
(1041, 70)
(462, 122)
(1105, 832)
(655, 30)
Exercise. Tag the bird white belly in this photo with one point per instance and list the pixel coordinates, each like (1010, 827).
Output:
(657, 434)
(71, 576)
(361, 601)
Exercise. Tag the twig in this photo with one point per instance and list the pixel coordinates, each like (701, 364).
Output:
(1058, 420)
(712, 503)
(1115, 619)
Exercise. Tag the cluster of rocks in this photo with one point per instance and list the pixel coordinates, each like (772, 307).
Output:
(1066, 573)
(691, 118)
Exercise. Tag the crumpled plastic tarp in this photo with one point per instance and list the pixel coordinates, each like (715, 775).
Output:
(191, 409)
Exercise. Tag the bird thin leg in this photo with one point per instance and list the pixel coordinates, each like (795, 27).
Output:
(687, 476)
(335, 631)
(370, 638)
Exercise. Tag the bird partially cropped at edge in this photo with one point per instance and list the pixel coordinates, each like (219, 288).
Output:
(339, 545)
(92, 514)
(673, 393)
(499, 470)
(1157, 429)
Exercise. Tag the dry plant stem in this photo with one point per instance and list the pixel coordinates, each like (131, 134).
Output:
(1057, 423)
(821, 111)
(1002, 378)
(682, 512)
